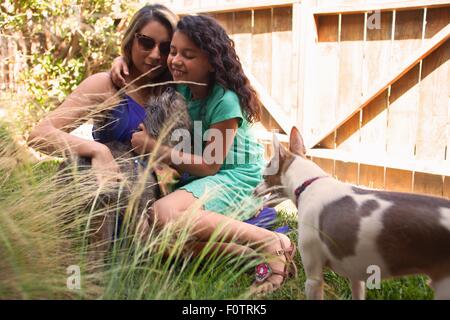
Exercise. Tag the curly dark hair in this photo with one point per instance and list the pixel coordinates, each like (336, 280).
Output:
(207, 34)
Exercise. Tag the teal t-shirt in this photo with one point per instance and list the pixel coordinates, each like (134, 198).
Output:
(241, 170)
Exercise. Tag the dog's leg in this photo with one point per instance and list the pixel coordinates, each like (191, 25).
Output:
(313, 266)
(358, 290)
(441, 289)
(314, 289)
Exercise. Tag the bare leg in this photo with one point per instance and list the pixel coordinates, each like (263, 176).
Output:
(225, 248)
(206, 223)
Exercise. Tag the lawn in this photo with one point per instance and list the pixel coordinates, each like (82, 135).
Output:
(44, 227)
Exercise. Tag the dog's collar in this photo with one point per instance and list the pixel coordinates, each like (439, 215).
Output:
(304, 185)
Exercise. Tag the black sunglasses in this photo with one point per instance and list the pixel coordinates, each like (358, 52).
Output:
(148, 43)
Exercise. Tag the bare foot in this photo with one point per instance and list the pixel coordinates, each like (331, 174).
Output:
(277, 251)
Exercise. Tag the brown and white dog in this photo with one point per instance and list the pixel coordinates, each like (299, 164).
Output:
(349, 229)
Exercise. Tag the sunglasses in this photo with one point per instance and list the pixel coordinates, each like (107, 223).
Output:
(148, 43)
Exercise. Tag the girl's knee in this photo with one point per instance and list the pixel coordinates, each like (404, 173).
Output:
(163, 212)
(171, 206)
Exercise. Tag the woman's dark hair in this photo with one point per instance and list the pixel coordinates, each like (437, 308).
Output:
(207, 34)
(154, 12)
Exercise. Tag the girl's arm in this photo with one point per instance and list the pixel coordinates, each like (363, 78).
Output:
(51, 134)
(118, 69)
(196, 165)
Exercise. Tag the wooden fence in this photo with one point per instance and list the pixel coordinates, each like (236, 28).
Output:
(367, 82)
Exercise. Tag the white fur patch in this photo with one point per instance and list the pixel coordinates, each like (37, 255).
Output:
(298, 172)
(312, 248)
(445, 218)
(442, 289)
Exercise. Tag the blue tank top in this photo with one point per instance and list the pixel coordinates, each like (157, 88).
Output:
(124, 120)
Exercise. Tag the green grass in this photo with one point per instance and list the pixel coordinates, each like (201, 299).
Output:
(43, 228)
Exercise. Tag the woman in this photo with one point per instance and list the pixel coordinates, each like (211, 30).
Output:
(145, 47)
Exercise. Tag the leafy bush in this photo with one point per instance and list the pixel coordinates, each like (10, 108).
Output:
(61, 43)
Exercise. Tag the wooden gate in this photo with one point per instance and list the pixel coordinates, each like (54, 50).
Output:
(367, 82)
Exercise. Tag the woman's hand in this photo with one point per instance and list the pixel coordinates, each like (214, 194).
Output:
(105, 166)
(119, 69)
(142, 142)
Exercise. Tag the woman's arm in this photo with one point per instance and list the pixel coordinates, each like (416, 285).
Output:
(207, 164)
(51, 134)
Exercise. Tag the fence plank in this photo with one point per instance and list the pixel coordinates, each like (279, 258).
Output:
(226, 20)
(428, 184)
(377, 59)
(242, 36)
(350, 78)
(446, 191)
(282, 86)
(403, 102)
(262, 54)
(433, 105)
(374, 126)
(327, 165)
(398, 180)
(346, 171)
(371, 176)
(437, 19)
(262, 48)
(408, 35)
(348, 135)
(326, 78)
(377, 52)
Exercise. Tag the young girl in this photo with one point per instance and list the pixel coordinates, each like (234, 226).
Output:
(202, 52)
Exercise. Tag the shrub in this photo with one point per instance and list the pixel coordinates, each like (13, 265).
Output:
(60, 43)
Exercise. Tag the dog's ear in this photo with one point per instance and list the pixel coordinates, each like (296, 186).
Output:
(296, 144)
(278, 148)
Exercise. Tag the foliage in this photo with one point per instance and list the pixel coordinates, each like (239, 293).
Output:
(42, 229)
(45, 221)
(61, 43)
